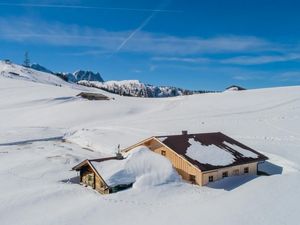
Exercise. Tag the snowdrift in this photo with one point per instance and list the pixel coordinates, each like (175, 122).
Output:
(141, 166)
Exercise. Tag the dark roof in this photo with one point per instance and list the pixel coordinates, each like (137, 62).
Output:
(180, 144)
(78, 166)
(103, 159)
(239, 88)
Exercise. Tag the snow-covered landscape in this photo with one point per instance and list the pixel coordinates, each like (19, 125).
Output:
(133, 88)
(46, 130)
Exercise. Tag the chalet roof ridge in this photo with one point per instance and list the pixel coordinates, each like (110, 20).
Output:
(103, 159)
(93, 160)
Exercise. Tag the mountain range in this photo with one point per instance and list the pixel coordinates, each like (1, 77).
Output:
(133, 88)
(138, 89)
(125, 87)
(71, 77)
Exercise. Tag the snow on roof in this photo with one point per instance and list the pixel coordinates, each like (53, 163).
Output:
(162, 139)
(210, 154)
(209, 151)
(140, 166)
(243, 151)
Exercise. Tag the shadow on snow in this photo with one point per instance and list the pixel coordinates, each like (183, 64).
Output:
(230, 183)
(72, 180)
(31, 141)
(267, 168)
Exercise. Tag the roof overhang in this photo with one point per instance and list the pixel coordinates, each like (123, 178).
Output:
(80, 165)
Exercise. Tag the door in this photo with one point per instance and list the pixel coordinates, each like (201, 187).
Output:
(91, 180)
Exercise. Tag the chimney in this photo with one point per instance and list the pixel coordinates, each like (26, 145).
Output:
(119, 154)
(184, 132)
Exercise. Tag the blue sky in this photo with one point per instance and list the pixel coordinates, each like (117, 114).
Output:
(191, 44)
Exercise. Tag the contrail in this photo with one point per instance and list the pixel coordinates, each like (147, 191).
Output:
(88, 7)
(145, 22)
(135, 31)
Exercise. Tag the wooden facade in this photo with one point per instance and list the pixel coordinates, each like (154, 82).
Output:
(190, 172)
(90, 177)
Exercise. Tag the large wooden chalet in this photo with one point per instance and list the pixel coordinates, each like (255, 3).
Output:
(199, 159)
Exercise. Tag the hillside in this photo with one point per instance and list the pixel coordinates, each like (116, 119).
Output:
(15, 71)
(38, 110)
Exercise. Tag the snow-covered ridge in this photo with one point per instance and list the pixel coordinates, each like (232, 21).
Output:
(70, 77)
(14, 71)
(83, 75)
(138, 89)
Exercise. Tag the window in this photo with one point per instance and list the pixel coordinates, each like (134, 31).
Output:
(246, 170)
(193, 179)
(210, 178)
(163, 152)
(236, 172)
(225, 174)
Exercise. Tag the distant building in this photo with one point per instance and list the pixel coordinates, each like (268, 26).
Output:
(7, 61)
(93, 96)
(199, 159)
(235, 88)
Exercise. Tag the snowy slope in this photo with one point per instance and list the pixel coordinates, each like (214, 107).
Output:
(19, 72)
(38, 187)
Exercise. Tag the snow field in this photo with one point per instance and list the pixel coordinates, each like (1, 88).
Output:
(37, 186)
